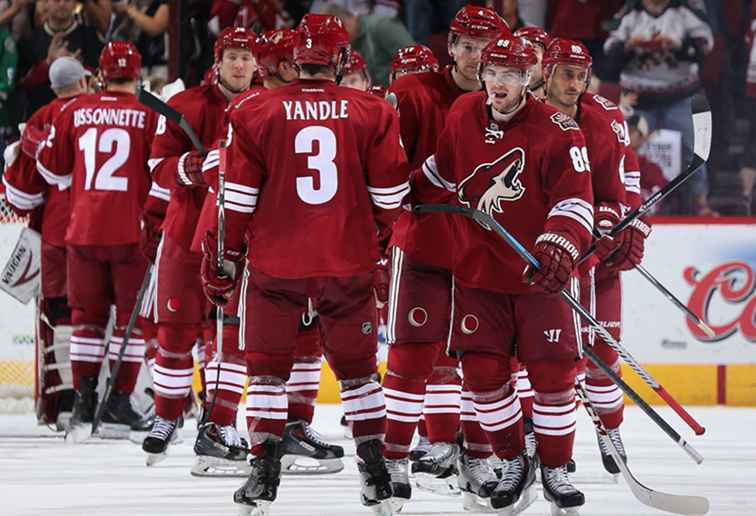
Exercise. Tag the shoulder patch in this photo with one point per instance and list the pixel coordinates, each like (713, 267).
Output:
(620, 133)
(605, 103)
(565, 122)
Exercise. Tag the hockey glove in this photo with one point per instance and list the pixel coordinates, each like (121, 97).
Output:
(149, 237)
(219, 285)
(189, 170)
(31, 139)
(557, 256)
(630, 247)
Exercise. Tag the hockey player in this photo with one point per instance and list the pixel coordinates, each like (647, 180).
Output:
(273, 54)
(181, 307)
(420, 294)
(412, 59)
(98, 145)
(28, 193)
(524, 163)
(356, 73)
(540, 39)
(321, 153)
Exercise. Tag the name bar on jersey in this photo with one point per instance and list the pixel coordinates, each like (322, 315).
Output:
(110, 116)
(320, 110)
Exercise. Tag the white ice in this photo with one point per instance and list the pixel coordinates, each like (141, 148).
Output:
(40, 475)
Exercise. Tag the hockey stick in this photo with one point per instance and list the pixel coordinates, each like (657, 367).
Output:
(488, 221)
(121, 352)
(675, 504)
(158, 106)
(219, 203)
(701, 148)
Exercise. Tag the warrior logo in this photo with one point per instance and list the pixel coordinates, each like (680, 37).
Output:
(619, 131)
(492, 183)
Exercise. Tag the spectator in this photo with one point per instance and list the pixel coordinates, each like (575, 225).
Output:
(748, 172)
(652, 177)
(361, 7)
(658, 47)
(584, 20)
(508, 9)
(377, 38)
(145, 22)
(63, 34)
(8, 62)
(9, 10)
(426, 17)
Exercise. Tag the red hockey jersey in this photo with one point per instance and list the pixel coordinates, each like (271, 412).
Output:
(99, 145)
(203, 108)
(26, 189)
(424, 101)
(314, 170)
(529, 173)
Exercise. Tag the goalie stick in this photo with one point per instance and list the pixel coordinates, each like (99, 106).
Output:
(121, 352)
(220, 206)
(488, 221)
(701, 148)
(675, 504)
(158, 106)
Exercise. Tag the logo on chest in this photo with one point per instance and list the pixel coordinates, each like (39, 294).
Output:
(490, 184)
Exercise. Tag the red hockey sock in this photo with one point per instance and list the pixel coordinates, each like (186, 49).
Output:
(87, 352)
(302, 388)
(605, 396)
(404, 403)
(475, 441)
(133, 357)
(442, 404)
(174, 367)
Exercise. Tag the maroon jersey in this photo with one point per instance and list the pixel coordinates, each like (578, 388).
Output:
(321, 167)
(26, 189)
(529, 173)
(99, 145)
(203, 108)
(424, 101)
(209, 214)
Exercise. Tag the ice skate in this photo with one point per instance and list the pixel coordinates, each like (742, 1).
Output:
(516, 490)
(422, 447)
(477, 480)
(220, 451)
(374, 477)
(85, 404)
(163, 433)
(606, 458)
(400, 484)
(261, 488)
(436, 471)
(120, 420)
(565, 499)
(304, 452)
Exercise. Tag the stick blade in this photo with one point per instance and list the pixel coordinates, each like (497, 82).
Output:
(702, 126)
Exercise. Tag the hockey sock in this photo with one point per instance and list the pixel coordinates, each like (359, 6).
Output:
(302, 389)
(605, 396)
(226, 381)
(133, 356)
(554, 410)
(422, 430)
(364, 407)
(442, 404)
(87, 352)
(174, 367)
(475, 441)
(525, 392)
(404, 403)
(267, 407)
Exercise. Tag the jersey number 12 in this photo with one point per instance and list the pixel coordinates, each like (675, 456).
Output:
(90, 145)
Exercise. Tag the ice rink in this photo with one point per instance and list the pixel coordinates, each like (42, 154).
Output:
(40, 475)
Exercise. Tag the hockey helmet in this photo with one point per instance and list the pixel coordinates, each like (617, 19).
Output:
(272, 47)
(413, 59)
(233, 37)
(477, 22)
(120, 60)
(565, 52)
(535, 35)
(321, 40)
(509, 51)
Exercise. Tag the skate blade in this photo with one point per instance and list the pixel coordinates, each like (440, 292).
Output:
(78, 434)
(113, 431)
(440, 486)
(206, 466)
(383, 508)
(154, 458)
(300, 465)
(554, 510)
(474, 503)
(261, 508)
(527, 497)
(397, 504)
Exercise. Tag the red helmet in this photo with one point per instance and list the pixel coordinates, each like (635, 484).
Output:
(233, 37)
(272, 47)
(534, 35)
(356, 63)
(414, 59)
(321, 40)
(566, 52)
(509, 51)
(120, 60)
(477, 22)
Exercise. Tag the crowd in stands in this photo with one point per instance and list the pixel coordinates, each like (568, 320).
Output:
(650, 56)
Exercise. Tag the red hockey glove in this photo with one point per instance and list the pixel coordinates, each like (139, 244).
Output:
(607, 216)
(557, 256)
(381, 283)
(149, 237)
(218, 285)
(189, 171)
(31, 139)
(630, 247)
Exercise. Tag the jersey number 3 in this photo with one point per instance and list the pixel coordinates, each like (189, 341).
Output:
(323, 162)
(90, 145)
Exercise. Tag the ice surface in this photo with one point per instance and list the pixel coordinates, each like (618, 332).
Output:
(40, 475)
